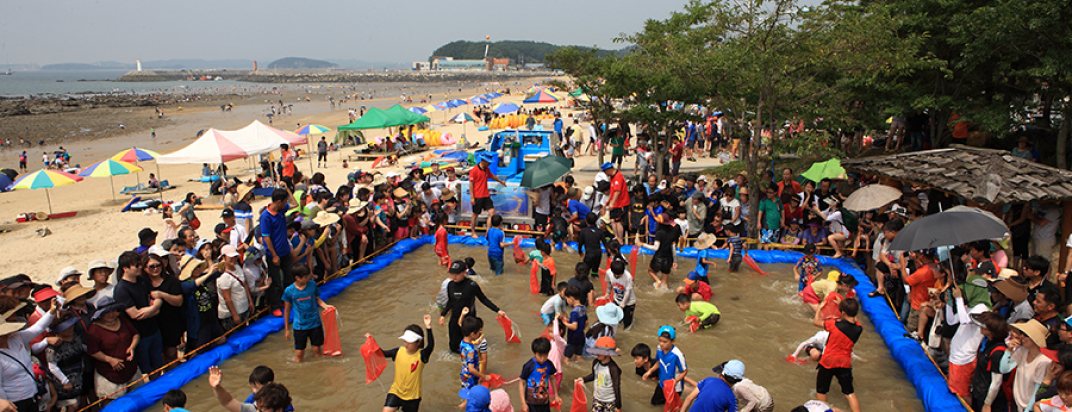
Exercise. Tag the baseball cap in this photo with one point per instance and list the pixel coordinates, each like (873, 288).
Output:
(477, 398)
(222, 228)
(411, 337)
(985, 268)
(68, 272)
(229, 251)
(456, 267)
(606, 165)
(227, 213)
(733, 368)
(159, 251)
(809, 248)
(667, 329)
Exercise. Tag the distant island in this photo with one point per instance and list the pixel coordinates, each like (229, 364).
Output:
(300, 63)
(516, 50)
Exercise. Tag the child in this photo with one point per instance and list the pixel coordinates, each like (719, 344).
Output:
(477, 399)
(558, 348)
(736, 248)
(668, 361)
(682, 222)
(555, 305)
(813, 348)
(535, 384)
(481, 342)
(1063, 400)
(405, 392)
(424, 218)
(607, 375)
(836, 359)
(304, 297)
(696, 288)
(807, 268)
(641, 354)
(621, 285)
(441, 240)
(609, 316)
(174, 400)
(470, 375)
(705, 311)
(260, 377)
(558, 228)
(469, 264)
(547, 267)
(578, 318)
(496, 244)
(272, 397)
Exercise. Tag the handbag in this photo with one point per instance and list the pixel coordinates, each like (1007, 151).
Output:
(42, 385)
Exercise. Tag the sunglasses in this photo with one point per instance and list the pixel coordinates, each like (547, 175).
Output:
(153, 266)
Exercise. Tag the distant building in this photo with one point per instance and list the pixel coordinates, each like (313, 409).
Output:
(499, 64)
(452, 64)
(421, 66)
(534, 66)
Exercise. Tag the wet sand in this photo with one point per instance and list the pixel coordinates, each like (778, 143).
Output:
(762, 322)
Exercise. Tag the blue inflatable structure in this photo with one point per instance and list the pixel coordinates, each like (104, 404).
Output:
(930, 386)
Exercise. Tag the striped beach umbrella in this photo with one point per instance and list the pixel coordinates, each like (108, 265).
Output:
(312, 129)
(430, 108)
(109, 168)
(135, 154)
(478, 100)
(45, 179)
(440, 106)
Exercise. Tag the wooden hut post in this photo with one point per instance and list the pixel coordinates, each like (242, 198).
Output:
(1066, 231)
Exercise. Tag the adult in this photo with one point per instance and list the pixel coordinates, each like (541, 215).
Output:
(111, 342)
(322, 152)
(187, 216)
(234, 295)
(542, 211)
(436, 177)
(16, 379)
(273, 225)
(242, 210)
(696, 212)
(731, 209)
(663, 260)
(589, 244)
(969, 299)
(919, 282)
(617, 198)
(190, 239)
(462, 292)
(787, 181)
(132, 292)
(617, 147)
(479, 194)
(99, 272)
(987, 380)
(236, 233)
(429, 194)
(164, 286)
(1045, 222)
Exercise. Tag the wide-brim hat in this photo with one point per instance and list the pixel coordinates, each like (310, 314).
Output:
(609, 314)
(7, 328)
(105, 305)
(323, 218)
(243, 190)
(446, 195)
(77, 291)
(705, 241)
(189, 265)
(356, 206)
(1012, 289)
(1034, 330)
(379, 180)
(605, 345)
(399, 192)
(680, 183)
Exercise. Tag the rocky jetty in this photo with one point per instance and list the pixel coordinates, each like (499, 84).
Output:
(326, 76)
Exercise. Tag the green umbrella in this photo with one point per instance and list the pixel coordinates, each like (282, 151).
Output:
(830, 169)
(545, 171)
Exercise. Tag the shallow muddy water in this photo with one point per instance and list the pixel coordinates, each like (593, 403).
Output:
(762, 322)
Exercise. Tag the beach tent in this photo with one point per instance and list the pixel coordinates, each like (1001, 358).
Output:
(400, 116)
(577, 92)
(212, 147)
(541, 96)
(293, 139)
(258, 138)
(374, 118)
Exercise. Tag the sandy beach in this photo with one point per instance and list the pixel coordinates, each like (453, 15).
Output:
(100, 231)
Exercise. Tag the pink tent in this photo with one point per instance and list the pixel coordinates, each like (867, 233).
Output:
(211, 147)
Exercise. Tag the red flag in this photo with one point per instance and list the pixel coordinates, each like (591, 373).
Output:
(519, 255)
(512, 335)
(375, 362)
(632, 259)
(603, 280)
(332, 344)
(673, 400)
(534, 278)
(580, 401)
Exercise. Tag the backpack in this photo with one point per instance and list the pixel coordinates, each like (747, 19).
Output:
(850, 220)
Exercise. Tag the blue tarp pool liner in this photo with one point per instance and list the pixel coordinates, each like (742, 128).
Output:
(930, 386)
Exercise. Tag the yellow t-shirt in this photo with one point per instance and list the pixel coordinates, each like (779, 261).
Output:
(408, 372)
(823, 288)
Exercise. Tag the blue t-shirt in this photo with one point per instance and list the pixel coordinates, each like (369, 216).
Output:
(579, 208)
(304, 305)
(738, 245)
(670, 365)
(715, 396)
(578, 315)
(295, 244)
(274, 227)
(537, 378)
(558, 126)
(652, 224)
(495, 240)
(469, 357)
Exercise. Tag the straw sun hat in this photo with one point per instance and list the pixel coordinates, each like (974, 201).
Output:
(323, 218)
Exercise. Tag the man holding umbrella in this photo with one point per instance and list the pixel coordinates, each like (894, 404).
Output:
(617, 200)
(480, 196)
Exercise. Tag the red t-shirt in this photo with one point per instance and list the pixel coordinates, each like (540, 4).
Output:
(441, 241)
(677, 152)
(797, 214)
(843, 336)
(617, 185)
(478, 183)
(919, 281)
(795, 187)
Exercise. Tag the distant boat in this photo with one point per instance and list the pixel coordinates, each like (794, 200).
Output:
(7, 73)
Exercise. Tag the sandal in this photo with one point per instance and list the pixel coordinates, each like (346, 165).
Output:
(874, 294)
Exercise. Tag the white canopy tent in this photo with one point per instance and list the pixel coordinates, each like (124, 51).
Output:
(212, 147)
(272, 134)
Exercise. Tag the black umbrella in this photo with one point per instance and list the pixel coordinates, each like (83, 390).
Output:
(11, 173)
(948, 229)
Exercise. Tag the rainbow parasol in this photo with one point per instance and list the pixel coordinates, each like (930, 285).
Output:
(109, 168)
(45, 179)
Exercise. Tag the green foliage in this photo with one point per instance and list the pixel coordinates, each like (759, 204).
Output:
(810, 144)
(526, 51)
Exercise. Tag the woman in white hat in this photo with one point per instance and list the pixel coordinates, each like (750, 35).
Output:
(16, 377)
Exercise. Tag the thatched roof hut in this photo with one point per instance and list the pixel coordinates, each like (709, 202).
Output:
(982, 176)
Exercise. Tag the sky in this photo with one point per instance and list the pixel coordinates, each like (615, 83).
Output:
(87, 31)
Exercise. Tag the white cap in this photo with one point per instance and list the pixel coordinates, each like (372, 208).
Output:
(229, 250)
(67, 272)
(159, 251)
(411, 337)
(390, 175)
(702, 177)
(602, 177)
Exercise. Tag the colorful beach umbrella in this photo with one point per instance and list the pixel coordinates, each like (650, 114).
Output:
(135, 154)
(504, 108)
(312, 129)
(462, 118)
(541, 96)
(430, 108)
(45, 179)
(478, 100)
(417, 110)
(441, 106)
(455, 103)
(109, 168)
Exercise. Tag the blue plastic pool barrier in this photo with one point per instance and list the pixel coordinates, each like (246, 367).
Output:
(930, 386)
